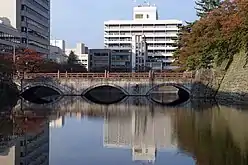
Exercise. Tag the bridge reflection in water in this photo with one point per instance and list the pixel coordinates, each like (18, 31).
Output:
(207, 132)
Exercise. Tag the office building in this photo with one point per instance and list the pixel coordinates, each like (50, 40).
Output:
(9, 38)
(32, 19)
(161, 36)
(99, 60)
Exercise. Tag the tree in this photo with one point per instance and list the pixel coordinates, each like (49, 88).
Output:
(28, 61)
(205, 6)
(6, 66)
(72, 59)
(214, 38)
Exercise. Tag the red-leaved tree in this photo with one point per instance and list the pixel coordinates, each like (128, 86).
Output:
(28, 61)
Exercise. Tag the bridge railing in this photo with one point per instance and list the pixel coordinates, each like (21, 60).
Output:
(157, 75)
(128, 75)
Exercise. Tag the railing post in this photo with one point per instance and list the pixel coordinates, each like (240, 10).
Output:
(66, 74)
(151, 75)
(58, 75)
(105, 74)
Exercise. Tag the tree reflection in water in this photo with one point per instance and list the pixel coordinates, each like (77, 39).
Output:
(212, 135)
(208, 137)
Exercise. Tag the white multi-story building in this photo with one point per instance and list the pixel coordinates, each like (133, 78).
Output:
(32, 19)
(161, 35)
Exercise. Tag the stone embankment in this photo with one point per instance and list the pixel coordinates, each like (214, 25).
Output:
(228, 83)
(234, 86)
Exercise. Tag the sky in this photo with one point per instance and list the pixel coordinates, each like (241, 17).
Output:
(83, 20)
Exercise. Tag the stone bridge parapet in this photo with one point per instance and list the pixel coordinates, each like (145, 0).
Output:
(130, 84)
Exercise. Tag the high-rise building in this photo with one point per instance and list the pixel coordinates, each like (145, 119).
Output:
(161, 36)
(32, 19)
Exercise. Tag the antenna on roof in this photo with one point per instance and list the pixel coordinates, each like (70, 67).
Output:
(146, 2)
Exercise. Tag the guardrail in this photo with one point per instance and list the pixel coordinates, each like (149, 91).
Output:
(146, 75)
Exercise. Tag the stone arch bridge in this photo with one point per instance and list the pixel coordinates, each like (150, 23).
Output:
(131, 84)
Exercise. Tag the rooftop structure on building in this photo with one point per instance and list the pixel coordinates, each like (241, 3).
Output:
(32, 19)
(161, 35)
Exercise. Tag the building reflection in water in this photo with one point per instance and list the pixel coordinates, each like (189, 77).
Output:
(143, 132)
(209, 134)
(24, 140)
(57, 123)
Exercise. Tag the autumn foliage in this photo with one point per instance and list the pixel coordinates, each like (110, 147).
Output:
(215, 37)
(28, 61)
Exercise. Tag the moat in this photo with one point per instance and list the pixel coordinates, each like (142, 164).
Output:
(135, 130)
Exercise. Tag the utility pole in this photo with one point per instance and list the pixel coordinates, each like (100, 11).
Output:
(14, 54)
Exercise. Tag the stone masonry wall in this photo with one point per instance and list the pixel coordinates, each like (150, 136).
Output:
(234, 87)
(206, 84)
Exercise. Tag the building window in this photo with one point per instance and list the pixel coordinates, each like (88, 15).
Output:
(23, 7)
(139, 16)
(147, 16)
(22, 154)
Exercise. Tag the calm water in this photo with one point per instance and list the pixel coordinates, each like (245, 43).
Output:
(135, 131)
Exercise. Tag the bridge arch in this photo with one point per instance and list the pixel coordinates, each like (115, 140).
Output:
(102, 85)
(183, 94)
(176, 85)
(39, 84)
